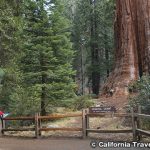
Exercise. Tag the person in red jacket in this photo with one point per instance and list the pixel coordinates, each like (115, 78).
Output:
(1, 114)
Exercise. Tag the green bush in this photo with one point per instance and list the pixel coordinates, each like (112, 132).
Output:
(82, 102)
(142, 98)
(142, 87)
(78, 102)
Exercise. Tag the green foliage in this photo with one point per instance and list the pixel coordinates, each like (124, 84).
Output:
(142, 87)
(10, 29)
(36, 52)
(36, 55)
(2, 73)
(7, 27)
(24, 101)
(87, 14)
(81, 102)
(47, 59)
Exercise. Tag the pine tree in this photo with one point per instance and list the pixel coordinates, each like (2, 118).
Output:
(93, 41)
(10, 28)
(47, 59)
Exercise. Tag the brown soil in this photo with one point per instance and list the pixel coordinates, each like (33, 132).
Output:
(120, 101)
(44, 144)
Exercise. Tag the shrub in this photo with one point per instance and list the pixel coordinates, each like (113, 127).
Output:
(78, 102)
(142, 88)
(82, 102)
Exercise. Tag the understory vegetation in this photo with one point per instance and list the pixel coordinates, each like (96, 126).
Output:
(141, 89)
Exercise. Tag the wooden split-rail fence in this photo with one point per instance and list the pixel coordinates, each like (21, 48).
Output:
(136, 128)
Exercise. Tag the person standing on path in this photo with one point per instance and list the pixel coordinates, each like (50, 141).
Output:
(1, 114)
(1, 119)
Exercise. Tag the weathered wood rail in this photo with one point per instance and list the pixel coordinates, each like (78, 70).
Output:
(19, 118)
(138, 125)
(136, 129)
(101, 115)
(37, 119)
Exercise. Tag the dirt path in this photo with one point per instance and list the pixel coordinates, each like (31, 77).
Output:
(57, 143)
(50, 144)
(42, 144)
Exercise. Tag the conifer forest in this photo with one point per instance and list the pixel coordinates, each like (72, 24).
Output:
(67, 53)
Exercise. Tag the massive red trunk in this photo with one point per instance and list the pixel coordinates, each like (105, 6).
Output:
(132, 36)
(143, 34)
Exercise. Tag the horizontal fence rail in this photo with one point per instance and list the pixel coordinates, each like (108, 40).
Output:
(60, 129)
(109, 131)
(108, 114)
(143, 116)
(19, 118)
(136, 129)
(58, 116)
(37, 119)
(143, 132)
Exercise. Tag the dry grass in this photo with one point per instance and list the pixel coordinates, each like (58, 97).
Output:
(97, 123)
(76, 122)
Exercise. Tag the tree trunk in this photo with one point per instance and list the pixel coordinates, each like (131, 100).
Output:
(94, 51)
(132, 37)
(43, 89)
(43, 100)
(143, 35)
(106, 54)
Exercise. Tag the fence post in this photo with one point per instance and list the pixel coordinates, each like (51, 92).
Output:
(0, 126)
(87, 120)
(39, 123)
(133, 124)
(139, 123)
(36, 126)
(84, 123)
(3, 125)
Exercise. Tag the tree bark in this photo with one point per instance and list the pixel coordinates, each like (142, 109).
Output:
(94, 51)
(143, 34)
(106, 55)
(132, 52)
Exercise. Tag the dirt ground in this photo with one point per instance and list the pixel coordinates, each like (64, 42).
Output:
(51, 144)
(120, 102)
(42, 144)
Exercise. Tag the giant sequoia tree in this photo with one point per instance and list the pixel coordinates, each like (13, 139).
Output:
(132, 37)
